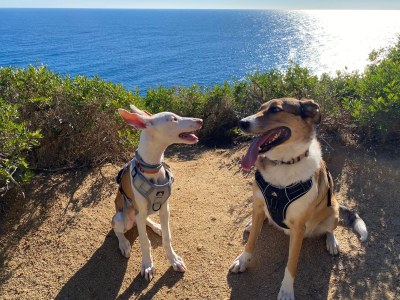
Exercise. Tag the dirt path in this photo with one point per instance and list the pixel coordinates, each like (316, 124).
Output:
(57, 243)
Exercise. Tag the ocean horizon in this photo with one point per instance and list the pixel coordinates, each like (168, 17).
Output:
(148, 47)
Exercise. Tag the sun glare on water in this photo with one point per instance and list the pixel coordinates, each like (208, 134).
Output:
(339, 39)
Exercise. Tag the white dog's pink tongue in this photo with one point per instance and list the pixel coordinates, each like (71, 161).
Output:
(251, 156)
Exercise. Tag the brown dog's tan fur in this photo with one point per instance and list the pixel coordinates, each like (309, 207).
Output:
(310, 215)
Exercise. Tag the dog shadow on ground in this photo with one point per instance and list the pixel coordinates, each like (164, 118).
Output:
(102, 275)
(263, 278)
(369, 181)
(169, 279)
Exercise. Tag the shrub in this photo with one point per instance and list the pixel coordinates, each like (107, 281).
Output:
(77, 117)
(80, 125)
(15, 143)
(375, 104)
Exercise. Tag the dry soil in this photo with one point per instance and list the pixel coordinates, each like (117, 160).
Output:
(57, 243)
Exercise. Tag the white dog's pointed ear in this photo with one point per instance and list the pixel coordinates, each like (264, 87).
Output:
(136, 110)
(136, 120)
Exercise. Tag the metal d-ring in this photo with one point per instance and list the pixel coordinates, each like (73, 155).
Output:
(159, 206)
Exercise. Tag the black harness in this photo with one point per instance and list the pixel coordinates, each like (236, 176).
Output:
(278, 199)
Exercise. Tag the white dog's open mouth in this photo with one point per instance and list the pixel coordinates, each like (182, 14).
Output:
(187, 136)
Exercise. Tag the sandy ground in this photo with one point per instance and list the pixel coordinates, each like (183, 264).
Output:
(57, 243)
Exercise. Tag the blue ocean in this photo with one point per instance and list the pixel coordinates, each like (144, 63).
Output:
(145, 48)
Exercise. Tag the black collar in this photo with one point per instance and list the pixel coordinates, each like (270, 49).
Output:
(293, 160)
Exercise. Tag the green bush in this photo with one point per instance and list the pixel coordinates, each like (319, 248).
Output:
(78, 118)
(375, 104)
(15, 143)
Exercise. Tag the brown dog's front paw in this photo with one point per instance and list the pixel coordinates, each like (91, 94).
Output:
(285, 295)
(331, 244)
(241, 262)
(286, 292)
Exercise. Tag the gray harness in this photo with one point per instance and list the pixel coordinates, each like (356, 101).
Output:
(155, 194)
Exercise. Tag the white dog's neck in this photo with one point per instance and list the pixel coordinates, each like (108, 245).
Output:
(284, 175)
(151, 149)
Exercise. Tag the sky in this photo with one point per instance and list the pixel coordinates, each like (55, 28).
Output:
(205, 4)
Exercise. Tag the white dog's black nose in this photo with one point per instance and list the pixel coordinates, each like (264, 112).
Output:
(244, 124)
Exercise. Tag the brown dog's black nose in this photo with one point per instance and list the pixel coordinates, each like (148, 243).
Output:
(244, 124)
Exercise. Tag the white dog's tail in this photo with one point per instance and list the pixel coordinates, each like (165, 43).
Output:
(350, 218)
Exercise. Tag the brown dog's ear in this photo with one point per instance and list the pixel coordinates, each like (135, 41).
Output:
(310, 109)
(134, 119)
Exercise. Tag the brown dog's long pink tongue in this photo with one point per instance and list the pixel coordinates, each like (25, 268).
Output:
(251, 156)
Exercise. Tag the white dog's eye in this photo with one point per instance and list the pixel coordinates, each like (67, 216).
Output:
(175, 119)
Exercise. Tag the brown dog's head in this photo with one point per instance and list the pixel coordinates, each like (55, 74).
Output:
(281, 124)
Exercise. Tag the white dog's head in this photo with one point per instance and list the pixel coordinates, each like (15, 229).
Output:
(164, 126)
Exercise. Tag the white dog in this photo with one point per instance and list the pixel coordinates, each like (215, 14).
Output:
(146, 181)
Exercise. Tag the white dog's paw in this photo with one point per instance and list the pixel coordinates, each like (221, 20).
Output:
(147, 270)
(177, 263)
(157, 229)
(154, 226)
(125, 247)
(247, 228)
(332, 244)
(241, 262)
(286, 294)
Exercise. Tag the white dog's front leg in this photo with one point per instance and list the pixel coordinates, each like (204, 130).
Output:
(147, 270)
(176, 262)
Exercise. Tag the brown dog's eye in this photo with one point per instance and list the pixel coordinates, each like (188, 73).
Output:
(274, 109)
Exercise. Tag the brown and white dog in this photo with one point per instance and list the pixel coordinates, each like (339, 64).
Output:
(158, 132)
(288, 156)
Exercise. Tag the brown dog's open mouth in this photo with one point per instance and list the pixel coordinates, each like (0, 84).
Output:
(264, 143)
(274, 137)
(187, 136)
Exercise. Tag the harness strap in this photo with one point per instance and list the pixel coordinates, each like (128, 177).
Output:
(330, 186)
